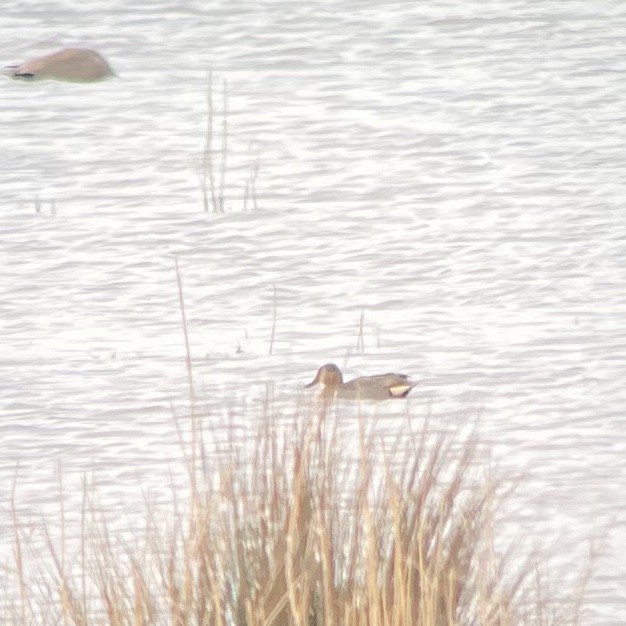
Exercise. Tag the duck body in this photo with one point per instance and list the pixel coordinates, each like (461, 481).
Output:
(378, 387)
(70, 64)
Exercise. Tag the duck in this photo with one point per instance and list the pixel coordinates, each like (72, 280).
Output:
(69, 64)
(377, 387)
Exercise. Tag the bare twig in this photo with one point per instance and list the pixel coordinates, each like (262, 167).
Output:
(360, 343)
(253, 178)
(223, 161)
(62, 513)
(207, 165)
(214, 191)
(192, 395)
(246, 193)
(273, 322)
(83, 540)
(19, 561)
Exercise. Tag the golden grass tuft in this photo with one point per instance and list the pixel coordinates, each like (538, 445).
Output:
(303, 531)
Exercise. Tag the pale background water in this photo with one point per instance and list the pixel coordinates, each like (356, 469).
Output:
(454, 170)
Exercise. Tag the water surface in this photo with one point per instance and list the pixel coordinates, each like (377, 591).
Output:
(455, 173)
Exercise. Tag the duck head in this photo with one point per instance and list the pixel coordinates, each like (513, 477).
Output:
(328, 375)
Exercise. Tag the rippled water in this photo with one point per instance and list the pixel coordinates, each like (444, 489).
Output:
(455, 173)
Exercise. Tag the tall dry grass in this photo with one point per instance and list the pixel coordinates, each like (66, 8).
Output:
(304, 530)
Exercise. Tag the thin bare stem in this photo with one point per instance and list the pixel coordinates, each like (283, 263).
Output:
(208, 167)
(360, 343)
(223, 163)
(62, 513)
(83, 543)
(274, 307)
(246, 193)
(19, 562)
(192, 395)
(253, 179)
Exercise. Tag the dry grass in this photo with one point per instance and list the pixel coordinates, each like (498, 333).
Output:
(215, 160)
(296, 533)
(213, 186)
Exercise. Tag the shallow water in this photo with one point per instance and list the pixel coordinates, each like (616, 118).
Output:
(453, 173)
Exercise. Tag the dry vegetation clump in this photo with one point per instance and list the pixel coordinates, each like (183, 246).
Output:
(303, 530)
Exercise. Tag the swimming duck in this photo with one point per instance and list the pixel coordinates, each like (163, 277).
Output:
(71, 64)
(379, 387)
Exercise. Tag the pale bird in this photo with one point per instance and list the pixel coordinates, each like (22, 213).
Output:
(378, 387)
(69, 64)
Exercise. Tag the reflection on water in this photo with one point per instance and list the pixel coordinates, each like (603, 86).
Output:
(454, 173)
